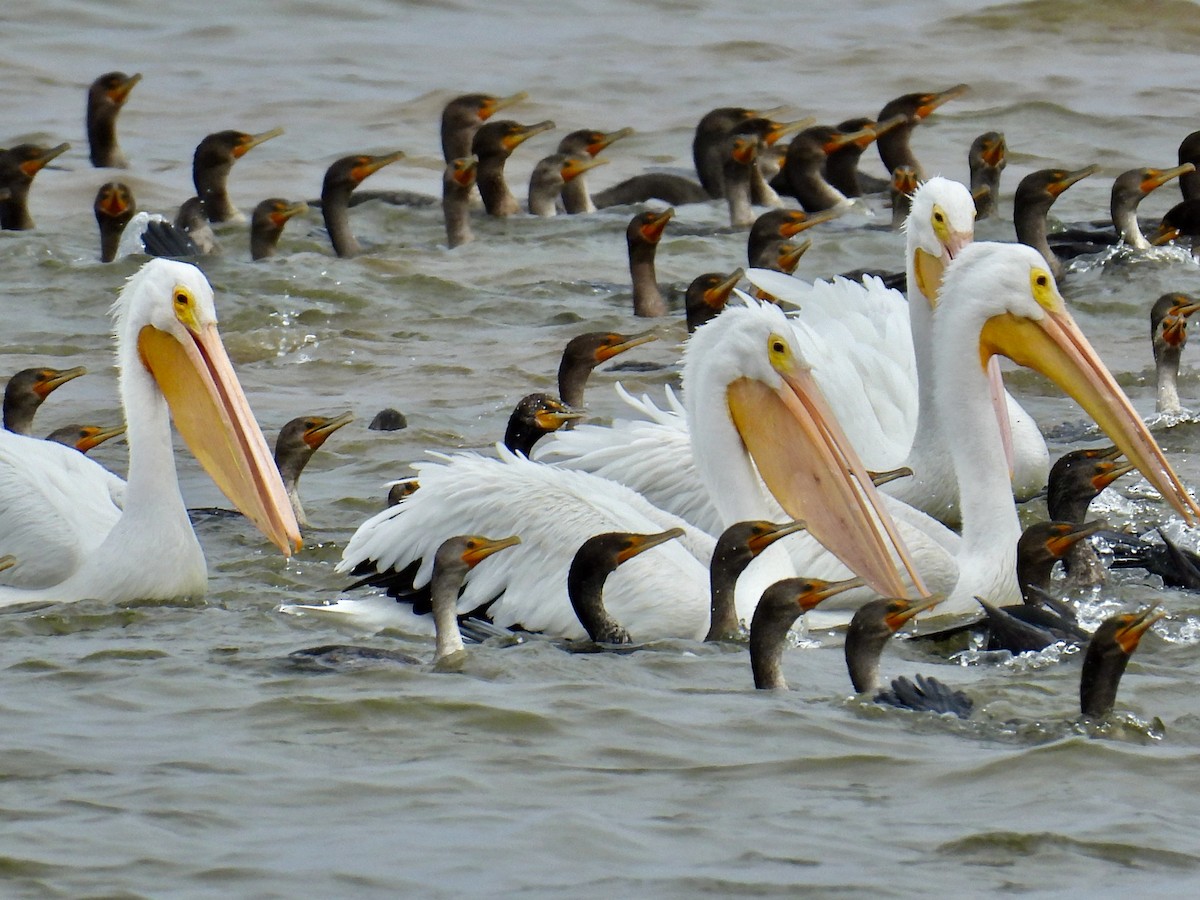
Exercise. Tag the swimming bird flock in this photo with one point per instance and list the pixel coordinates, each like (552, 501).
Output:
(842, 438)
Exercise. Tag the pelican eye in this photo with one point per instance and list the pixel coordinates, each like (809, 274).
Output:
(941, 225)
(1044, 290)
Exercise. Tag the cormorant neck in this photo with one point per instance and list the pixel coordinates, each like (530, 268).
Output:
(102, 137)
(444, 598)
(1103, 666)
(210, 181)
(498, 200)
(895, 150)
(768, 637)
(727, 564)
(576, 197)
(863, 650)
(1029, 218)
(585, 587)
(456, 210)
(841, 169)
(1166, 365)
(737, 195)
(335, 201)
(647, 298)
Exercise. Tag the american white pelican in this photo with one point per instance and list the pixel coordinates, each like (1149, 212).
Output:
(864, 342)
(76, 529)
(1002, 299)
(756, 406)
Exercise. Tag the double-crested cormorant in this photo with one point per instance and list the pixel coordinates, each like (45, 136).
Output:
(873, 625)
(741, 164)
(18, 166)
(767, 133)
(298, 440)
(534, 417)
(894, 148)
(1076, 478)
(105, 98)
(114, 206)
(1031, 204)
(1128, 191)
(493, 143)
(27, 389)
(457, 181)
(900, 190)
(1181, 223)
(591, 565)
(266, 225)
(551, 175)
(586, 351)
(1107, 656)
(708, 142)
(642, 235)
(214, 157)
(802, 168)
(462, 116)
(780, 606)
(707, 295)
(341, 179)
(841, 164)
(986, 159)
(736, 548)
(775, 226)
(453, 560)
(575, 195)
(1168, 336)
(84, 437)
(1189, 152)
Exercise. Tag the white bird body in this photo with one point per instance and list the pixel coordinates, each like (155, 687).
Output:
(58, 507)
(136, 542)
(743, 368)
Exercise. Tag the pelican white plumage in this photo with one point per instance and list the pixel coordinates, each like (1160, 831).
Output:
(864, 342)
(76, 529)
(755, 406)
(1002, 299)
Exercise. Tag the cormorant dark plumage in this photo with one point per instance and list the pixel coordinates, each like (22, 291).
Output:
(535, 416)
(805, 161)
(586, 351)
(298, 440)
(18, 166)
(707, 295)
(641, 237)
(1031, 204)
(455, 557)
(114, 206)
(266, 225)
(551, 175)
(894, 146)
(211, 163)
(768, 133)
(1168, 336)
(27, 389)
(492, 145)
(457, 181)
(779, 607)
(1075, 480)
(841, 165)
(341, 179)
(575, 195)
(987, 158)
(105, 98)
(463, 115)
(870, 629)
(737, 547)
(1128, 191)
(708, 145)
(1107, 656)
(593, 562)
(741, 163)
(900, 191)
(1181, 223)
(1189, 152)
(84, 437)
(777, 225)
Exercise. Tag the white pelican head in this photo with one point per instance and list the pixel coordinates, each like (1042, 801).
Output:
(166, 324)
(940, 223)
(1006, 295)
(742, 370)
